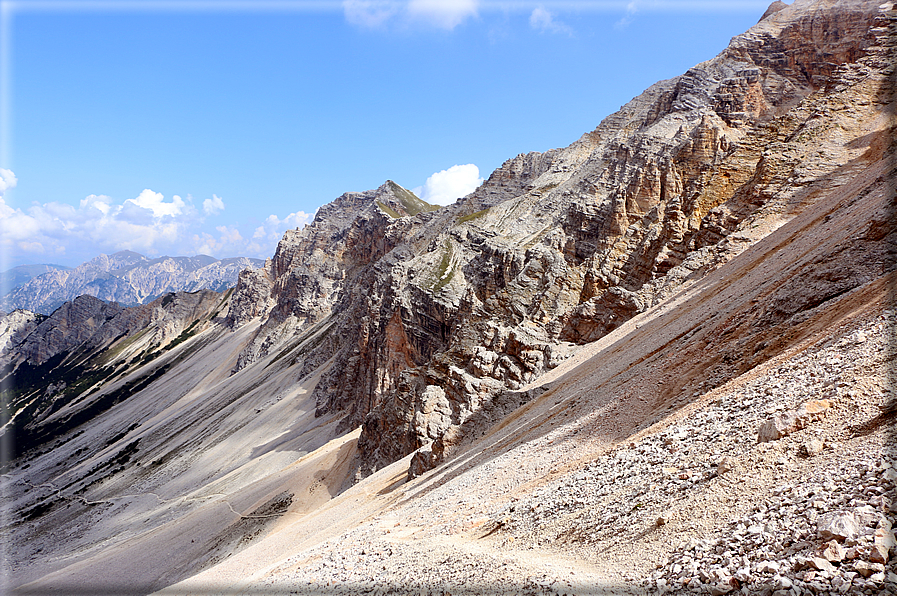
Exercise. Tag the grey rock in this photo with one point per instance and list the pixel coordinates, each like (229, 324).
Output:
(839, 525)
(867, 569)
(812, 447)
(777, 427)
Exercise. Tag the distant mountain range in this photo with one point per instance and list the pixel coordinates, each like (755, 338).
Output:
(126, 277)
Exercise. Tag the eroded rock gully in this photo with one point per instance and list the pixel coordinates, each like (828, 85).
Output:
(559, 248)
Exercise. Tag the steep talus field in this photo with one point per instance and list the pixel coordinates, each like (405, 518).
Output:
(657, 360)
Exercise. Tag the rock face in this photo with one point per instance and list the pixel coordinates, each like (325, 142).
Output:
(428, 317)
(128, 278)
(15, 326)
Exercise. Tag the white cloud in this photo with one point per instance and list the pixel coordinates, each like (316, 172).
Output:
(273, 227)
(7, 180)
(155, 202)
(148, 224)
(228, 242)
(445, 187)
(370, 13)
(542, 20)
(446, 14)
(213, 206)
(100, 203)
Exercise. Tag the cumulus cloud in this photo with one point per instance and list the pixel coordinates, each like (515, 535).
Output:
(446, 14)
(155, 202)
(272, 229)
(7, 180)
(148, 224)
(543, 21)
(213, 206)
(228, 242)
(445, 187)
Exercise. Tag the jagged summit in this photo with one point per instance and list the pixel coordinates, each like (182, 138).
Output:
(391, 198)
(774, 8)
(562, 247)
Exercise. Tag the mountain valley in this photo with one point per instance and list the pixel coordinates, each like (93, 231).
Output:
(659, 360)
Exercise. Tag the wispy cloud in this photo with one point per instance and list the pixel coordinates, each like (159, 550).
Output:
(7, 180)
(447, 186)
(266, 236)
(545, 22)
(213, 206)
(443, 14)
(370, 13)
(627, 18)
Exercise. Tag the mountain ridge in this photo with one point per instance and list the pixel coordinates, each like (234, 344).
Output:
(585, 237)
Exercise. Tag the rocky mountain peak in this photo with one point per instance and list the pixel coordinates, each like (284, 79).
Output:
(312, 265)
(481, 297)
(774, 8)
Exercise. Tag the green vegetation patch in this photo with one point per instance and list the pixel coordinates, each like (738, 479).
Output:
(388, 210)
(410, 201)
(443, 274)
(119, 345)
(473, 216)
(184, 336)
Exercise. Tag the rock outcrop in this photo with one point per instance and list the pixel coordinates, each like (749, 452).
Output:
(128, 278)
(15, 326)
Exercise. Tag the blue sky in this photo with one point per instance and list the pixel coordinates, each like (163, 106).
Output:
(192, 127)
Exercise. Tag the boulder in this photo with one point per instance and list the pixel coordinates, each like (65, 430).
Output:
(838, 525)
